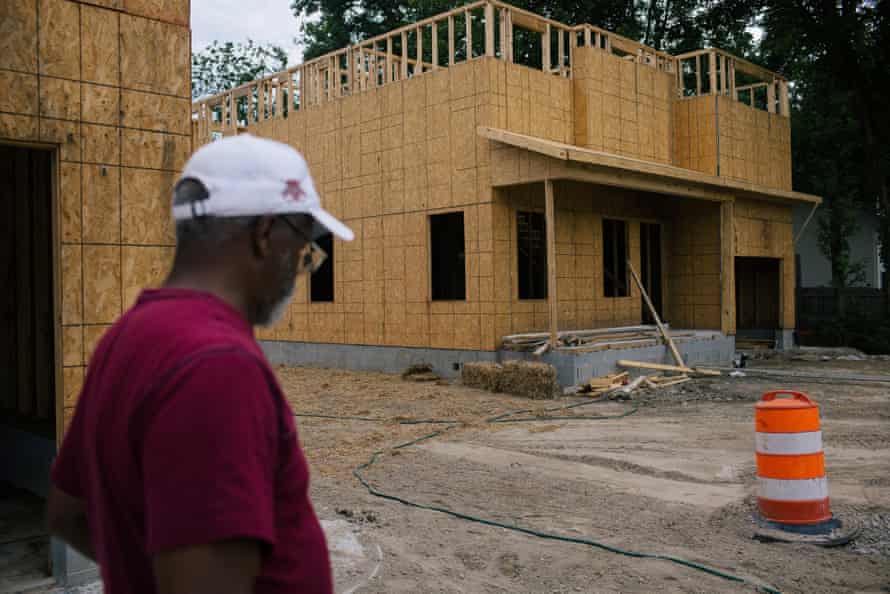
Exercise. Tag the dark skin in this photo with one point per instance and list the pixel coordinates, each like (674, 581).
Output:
(248, 271)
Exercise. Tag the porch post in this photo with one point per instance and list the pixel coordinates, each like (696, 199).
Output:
(727, 268)
(550, 221)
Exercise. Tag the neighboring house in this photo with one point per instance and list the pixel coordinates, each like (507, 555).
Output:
(492, 196)
(814, 268)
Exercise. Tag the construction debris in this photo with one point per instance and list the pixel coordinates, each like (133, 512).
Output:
(420, 372)
(591, 340)
(520, 378)
(674, 368)
(597, 386)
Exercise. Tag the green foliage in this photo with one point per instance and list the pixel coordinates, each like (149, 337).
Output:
(222, 66)
(868, 335)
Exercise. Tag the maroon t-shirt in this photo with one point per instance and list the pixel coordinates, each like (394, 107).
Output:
(182, 437)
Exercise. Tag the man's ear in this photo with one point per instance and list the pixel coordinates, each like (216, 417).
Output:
(261, 237)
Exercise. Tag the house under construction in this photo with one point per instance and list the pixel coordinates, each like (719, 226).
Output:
(500, 188)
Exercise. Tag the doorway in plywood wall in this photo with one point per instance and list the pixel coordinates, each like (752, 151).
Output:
(27, 361)
(757, 297)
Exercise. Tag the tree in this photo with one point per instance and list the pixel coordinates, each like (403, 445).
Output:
(223, 66)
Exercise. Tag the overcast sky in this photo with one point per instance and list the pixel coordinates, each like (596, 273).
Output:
(264, 21)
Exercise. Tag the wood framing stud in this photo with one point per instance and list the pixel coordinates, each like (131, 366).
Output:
(550, 226)
(450, 40)
(545, 49)
(489, 30)
(727, 268)
(468, 21)
(435, 46)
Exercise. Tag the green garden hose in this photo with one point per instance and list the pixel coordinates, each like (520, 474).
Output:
(507, 418)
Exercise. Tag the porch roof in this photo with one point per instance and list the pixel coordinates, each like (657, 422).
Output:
(556, 160)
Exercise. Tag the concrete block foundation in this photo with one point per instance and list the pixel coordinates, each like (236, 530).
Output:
(572, 367)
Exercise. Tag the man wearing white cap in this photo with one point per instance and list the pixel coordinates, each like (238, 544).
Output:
(181, 471)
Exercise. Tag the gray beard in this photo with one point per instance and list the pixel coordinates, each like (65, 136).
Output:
(277, 312)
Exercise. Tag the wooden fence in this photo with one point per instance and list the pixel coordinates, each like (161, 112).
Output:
(816, 306)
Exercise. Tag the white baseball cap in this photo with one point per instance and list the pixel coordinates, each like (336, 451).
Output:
(249, 176)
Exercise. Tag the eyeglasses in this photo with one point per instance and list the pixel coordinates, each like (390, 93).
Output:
(315, 256)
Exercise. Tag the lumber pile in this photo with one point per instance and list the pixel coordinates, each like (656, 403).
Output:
(673, 368)
(586, 340)
(520, 378)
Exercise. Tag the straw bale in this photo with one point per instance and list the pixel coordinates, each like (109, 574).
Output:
(483, 375)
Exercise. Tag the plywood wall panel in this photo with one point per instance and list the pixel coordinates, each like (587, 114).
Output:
(59, 33)
(145, 206)
(154, 150)
(100, 35)
(19, 92)
(102, 284)
(174, 11)
(18, 35)
(72, 284)
(101, 204)
(101, 144)
(149, 111)
(59, 98)
(64, 133)
(101, 105)
(72, 345)
(144, 267)
(70, 202)
(144, 45)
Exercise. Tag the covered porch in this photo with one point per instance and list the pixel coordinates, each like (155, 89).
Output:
(581, 234)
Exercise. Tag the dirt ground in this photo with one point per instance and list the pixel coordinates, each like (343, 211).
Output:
(676, 478)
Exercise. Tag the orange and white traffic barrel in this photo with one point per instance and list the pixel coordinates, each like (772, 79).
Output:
(792, 494)
(792, 487)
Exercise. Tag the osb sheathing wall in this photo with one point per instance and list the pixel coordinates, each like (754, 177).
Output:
(384, 160)
(109, 87)
(580, 209)
(622, 107)
(764, 230)
(716, 135)
(693, 268)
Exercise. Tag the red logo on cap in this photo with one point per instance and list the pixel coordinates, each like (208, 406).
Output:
(293, 190)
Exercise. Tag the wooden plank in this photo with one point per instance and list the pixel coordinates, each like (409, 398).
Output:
(435, 46)
(545, 49)
(586, 36)
(489, 30)
(404, 64)
(680, 83)
(771, 97)
(510, 36)
(550, 224)
(450, 40)
(697, 76)
(661, 367)
(784, 107)
(389, 73)
(652, 311)
(727, 268)
(24, 318)
(468, 22)
(561, 49)
(502, 24)
(712, 74)
(418, 66)
(42, 274)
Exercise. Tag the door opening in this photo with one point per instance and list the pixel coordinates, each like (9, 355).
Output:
(757, 297)
(27, 361)
(650, 268)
